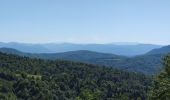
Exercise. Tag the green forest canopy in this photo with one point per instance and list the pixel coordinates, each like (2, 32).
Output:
(25, 78)
(161, 88)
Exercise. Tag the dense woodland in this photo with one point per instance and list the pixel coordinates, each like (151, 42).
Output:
(36, 79)
(161, 87)
(149, 64)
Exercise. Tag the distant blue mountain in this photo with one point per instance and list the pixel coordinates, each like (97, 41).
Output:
(125, 49)
(11, 51)
(31, 48)
(148, 64)
(163, 50)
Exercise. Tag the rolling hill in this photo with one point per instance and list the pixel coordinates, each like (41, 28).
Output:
(148, 64)
(163, 50)
(84, 56)
(30, 48)
(23, 78)
(125, 49)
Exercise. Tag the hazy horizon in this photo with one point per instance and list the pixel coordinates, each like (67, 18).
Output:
(84, 49)
(113, 43)
(85, 22)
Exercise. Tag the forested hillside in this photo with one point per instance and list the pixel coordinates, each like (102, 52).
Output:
(148, 64)
(36, 79)
(163, 50)
(125, 49)
(161, 87)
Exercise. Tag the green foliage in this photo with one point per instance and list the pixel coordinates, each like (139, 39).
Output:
(87, 94)
(161, 89)
(35, 79)
(149, 63)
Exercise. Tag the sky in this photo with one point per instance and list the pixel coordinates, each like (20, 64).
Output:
(85, 21)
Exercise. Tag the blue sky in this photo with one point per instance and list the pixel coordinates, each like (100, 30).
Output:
(85, 21)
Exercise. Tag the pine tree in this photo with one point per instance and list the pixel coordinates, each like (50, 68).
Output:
(161, 89)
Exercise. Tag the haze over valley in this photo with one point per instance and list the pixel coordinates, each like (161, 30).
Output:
(84, 50)
(124, 49)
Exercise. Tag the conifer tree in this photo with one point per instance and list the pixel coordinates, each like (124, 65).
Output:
(161, 89)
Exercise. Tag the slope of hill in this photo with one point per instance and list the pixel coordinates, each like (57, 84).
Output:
(83, 56)
(30, 48)
(10, 51)
(119, 49)
(80, 55)
(24, 79)
(125, 50)
(148, 64)
(17, 52)
(163, 50)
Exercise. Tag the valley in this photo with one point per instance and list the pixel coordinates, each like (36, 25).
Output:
(148, 63)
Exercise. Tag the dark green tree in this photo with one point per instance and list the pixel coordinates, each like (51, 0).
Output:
(23, 78)
(161, 89)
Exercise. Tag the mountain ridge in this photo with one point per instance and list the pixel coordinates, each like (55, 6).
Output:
(148, 64)
(124, 50)
(162, 50)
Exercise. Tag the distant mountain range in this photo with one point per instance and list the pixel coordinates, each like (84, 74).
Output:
(124, 49)
(149, 63)
(31, 48)
(163, 50)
